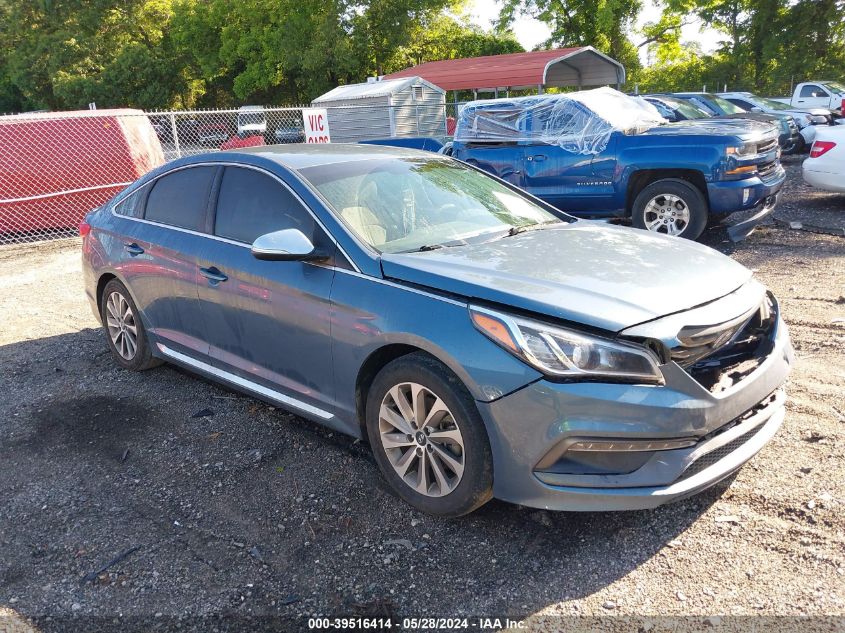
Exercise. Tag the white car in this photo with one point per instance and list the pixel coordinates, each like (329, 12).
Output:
(251, 121)
(825, 168)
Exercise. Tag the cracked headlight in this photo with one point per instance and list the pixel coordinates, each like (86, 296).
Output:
(559, 352)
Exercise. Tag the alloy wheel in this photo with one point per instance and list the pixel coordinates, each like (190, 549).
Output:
(421, 439)
(667, 213)
(123, 330)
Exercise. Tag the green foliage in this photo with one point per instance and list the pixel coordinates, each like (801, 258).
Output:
(768, 45)
(67, 53)
(63, 54)
(604, 24)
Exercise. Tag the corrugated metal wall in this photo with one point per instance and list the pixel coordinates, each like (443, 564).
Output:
(419, 111)
(352, 120)
(416, 110)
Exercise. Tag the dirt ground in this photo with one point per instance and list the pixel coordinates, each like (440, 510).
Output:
(158, 500)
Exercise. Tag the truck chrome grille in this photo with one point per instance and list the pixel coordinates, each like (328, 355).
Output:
(766, 146)
(767, 169)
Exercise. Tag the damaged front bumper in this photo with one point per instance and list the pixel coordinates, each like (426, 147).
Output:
(637, 446)
(742, 223)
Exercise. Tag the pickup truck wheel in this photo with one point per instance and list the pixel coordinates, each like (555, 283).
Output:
(671, 206)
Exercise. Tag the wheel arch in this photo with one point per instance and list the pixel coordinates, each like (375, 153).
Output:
(642, 178)
(387, 353)
(102, 281)
(104, 278)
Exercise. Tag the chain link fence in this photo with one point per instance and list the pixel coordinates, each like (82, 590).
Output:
(55, 167)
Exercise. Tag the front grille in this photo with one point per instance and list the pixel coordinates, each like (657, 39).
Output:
(767, 169)
(764, 147)
(738, 349)
(717, 454)
(708, 459)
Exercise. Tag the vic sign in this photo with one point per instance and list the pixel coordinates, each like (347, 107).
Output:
(316, 125)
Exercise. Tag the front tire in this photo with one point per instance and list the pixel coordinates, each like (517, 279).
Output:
(428, 437)
(125, 332)
(671, 206)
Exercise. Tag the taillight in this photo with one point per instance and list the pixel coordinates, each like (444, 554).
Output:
(84, 229)
(820, 148)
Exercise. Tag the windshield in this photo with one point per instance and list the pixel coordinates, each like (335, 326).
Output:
(834, 86)
(772, 104)
(688, 110)
(726, 106)
(251, 118)
(402, 205)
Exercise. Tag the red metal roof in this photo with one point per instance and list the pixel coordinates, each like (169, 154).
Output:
(501, 71)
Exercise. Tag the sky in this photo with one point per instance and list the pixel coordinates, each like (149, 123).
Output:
(531, 32)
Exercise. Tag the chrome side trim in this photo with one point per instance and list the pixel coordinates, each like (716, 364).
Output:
(213, 163)
(249, 385)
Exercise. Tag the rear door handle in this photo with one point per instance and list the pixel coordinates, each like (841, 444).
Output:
(133, 249)
(213, 274)
(538, 157)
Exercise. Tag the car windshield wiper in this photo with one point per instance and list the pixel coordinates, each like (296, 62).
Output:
(434, 247)
(516, 230)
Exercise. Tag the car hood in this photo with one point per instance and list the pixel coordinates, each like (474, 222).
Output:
(598, 275)
(743, 128)
(774, 119)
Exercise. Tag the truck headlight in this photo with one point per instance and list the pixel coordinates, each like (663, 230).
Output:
(559, 352)
(743, 151)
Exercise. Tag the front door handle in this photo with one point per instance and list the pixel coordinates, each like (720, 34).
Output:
(213, 275)
(538, 157)
(133, 249)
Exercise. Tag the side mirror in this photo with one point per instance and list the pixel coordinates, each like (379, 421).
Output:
(285, 245)
(756, 109)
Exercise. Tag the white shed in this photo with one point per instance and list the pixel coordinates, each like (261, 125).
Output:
(410, 106)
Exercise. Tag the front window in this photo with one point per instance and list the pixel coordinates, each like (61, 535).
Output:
(405, 205)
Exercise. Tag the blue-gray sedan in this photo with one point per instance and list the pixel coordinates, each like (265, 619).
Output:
(484, 342)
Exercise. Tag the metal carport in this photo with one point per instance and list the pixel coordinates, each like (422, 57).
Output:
(574, 67)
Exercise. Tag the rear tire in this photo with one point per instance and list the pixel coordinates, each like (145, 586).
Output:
(441, 464)
(671, 206)
(125, 333)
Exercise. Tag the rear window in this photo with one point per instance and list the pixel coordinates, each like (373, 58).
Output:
(252, 204)
(181, 198)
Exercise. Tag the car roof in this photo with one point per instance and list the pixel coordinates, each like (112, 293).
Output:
(298, 156)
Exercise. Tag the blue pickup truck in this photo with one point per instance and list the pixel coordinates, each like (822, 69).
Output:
(600, 153)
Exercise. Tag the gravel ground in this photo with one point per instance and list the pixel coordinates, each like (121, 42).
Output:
(214, 508)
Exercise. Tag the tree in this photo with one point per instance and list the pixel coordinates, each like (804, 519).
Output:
(604, 24)
(445, 37)
(67, 53)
